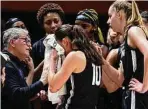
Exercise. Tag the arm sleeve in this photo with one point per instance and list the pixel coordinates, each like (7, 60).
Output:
(15, 87)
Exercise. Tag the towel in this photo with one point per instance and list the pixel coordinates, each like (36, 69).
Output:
(51, 43)
(5, 56)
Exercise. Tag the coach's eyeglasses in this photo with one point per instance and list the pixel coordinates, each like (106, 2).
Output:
(25, 39)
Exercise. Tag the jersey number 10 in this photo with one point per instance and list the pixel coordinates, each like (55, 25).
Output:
(96, 75)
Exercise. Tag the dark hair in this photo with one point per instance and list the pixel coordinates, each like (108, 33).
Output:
(144, 14)
(10, 22)
(49, 7)
(91, 16)
(78, 37)
(88, 15)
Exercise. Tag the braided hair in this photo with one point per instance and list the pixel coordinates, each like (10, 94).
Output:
(91, 16)
(88, 15)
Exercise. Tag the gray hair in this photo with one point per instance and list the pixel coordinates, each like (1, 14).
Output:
(12, 33)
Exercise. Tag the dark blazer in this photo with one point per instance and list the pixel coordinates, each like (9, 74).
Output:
(37, 53)
(16, 94)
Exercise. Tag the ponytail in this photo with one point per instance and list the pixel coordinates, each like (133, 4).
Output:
(135, 19)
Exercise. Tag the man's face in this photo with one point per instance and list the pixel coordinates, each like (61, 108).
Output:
(51, 22)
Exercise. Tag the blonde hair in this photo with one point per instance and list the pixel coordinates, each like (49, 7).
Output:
(132, 13)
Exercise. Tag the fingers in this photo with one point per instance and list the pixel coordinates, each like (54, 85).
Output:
(132, 85)
(135, 80)
(3, 75)
(97, 46)
(54, 52)
(42, 92)
(135, 85)
(42, 95)
(27, 60)
(54, 55)
(132, 82)
(133, 88)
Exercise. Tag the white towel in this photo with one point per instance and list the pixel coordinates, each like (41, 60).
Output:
(5, 56)
(50, 43)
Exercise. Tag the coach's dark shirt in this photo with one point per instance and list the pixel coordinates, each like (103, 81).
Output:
(38, 51)
(16, 94)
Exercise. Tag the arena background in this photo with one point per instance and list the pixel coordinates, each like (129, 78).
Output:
(27, 10)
